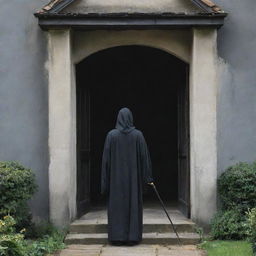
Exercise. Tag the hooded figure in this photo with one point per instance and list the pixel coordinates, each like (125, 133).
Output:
(126, 166)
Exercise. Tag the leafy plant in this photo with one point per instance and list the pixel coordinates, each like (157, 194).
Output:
(14, 244)
(39, 230)
(237, 190)
(17, 185)
(11, 243)
(251, 214)
(229, 225)
(48, 244)
(237, 187)
(200, 232)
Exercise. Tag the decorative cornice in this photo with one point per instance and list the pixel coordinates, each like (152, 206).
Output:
(56, 6)
(94, 21)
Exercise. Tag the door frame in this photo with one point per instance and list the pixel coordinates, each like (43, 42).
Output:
(196, 46)
(83, 132)
(184, 146)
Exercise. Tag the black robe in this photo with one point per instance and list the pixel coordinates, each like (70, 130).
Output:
(126, 167)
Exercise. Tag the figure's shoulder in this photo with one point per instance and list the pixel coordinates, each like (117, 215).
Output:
(113, 132)
(116, 133)
(138, 133)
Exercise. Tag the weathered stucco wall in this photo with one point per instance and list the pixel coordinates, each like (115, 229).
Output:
(237, 91)
(23, 94)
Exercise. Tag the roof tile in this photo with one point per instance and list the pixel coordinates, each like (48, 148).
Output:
(212, 5)
(50, 5)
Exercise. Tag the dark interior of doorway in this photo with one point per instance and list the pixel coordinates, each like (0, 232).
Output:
(146, 80)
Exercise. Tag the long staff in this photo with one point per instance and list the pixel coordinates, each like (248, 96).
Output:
(162, 203)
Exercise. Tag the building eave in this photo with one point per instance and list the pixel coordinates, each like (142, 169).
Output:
(98, 21)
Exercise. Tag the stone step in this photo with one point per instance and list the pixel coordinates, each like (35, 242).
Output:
(83, 227)
(148, 238)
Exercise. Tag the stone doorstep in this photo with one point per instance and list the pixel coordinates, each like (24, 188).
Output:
(149, 226)
(139, 250)
(148, 238)
(79, 228)
(91, 228)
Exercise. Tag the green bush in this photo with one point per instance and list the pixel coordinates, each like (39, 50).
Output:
(47, 244)
(11, 243)
(237, 186)
(17, 185)
(251, 214)
(237, 190)
(40, 230)
(229, 225)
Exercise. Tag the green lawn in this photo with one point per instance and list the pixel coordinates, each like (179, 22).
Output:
(227, 248)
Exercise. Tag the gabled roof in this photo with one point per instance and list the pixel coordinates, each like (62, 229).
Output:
(92, 14)
(56, 6)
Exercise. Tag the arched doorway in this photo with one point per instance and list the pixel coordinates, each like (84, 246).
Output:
(154, 85)
(67, 48)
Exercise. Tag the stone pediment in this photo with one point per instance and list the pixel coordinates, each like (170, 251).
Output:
(187, 7)
(129, 14)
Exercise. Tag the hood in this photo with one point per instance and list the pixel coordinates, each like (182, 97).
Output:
(124, 121)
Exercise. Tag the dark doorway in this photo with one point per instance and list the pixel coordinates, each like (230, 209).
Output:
(153, 84)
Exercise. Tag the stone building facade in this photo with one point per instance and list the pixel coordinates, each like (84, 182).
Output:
(40, 77)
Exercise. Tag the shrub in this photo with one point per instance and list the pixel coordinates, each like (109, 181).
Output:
(251, 214)
(11, 243)
(237, 187)
(40, 230)
(47, 244)
(14, 244)
(237, 190)
(229, 225)
(17, 185)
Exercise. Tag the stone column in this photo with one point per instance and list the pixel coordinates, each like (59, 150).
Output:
(62, 139)
(203, 127)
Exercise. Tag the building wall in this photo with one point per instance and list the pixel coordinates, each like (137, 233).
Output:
(237, 92)
(24, 100)
(23, 93)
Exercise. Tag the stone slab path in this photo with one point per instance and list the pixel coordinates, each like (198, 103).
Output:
(138, 250)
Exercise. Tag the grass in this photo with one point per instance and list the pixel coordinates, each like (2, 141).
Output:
(227, 248)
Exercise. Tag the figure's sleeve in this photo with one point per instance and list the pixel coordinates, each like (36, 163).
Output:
(145, 161)
(105, 169)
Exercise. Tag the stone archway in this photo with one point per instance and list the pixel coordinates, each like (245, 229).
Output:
(175, 42)
(196, 46)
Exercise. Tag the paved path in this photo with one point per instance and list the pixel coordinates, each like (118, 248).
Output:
(138, 250)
